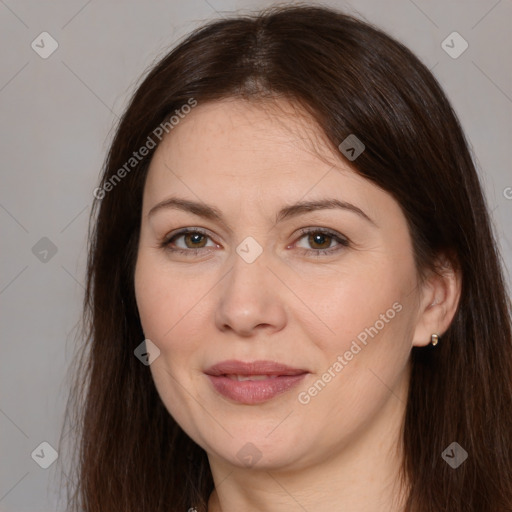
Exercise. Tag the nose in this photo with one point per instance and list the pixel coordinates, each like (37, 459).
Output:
(250, 299)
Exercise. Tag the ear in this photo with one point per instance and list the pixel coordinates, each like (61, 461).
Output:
(440, 296)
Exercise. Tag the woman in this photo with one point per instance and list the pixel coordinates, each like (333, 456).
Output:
(294, 296)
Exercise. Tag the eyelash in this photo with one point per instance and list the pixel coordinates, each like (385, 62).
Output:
(343, 242)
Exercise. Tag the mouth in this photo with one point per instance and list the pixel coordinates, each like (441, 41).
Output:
(254, 382)
(251, 377)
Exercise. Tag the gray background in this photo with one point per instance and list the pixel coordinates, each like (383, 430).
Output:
(57, 116)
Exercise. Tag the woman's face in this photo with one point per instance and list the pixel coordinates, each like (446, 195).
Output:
(330, 292)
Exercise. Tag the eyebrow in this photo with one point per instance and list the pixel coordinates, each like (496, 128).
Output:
(212, 213)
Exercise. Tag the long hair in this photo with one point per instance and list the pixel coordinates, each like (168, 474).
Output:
(352, 79)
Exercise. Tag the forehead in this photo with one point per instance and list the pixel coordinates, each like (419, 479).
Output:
(249, 163)
(254, 157)
(244, 141)
(227, 129)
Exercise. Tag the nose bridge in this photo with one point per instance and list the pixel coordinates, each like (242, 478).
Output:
(249, 267)
(248, 297)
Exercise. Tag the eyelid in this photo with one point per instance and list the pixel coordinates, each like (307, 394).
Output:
(342, 240)
(325, 231)
(166, 240)
(184, 231)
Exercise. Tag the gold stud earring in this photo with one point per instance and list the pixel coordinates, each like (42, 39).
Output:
(434, 339)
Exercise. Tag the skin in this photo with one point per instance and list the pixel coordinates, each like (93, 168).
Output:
(341, 450)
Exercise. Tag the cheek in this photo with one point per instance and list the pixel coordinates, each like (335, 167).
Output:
(169, 319)
(166, 301)
(172, 311)
(368, 313)
(345, 304)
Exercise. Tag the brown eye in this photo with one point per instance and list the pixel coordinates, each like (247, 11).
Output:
(193, 239)
(320, 241)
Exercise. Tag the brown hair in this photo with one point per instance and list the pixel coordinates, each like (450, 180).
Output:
(352, 79)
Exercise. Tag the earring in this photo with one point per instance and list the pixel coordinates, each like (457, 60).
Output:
(434, 339)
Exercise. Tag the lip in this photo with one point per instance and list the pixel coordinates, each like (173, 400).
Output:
(234, 367)
(247, 392)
